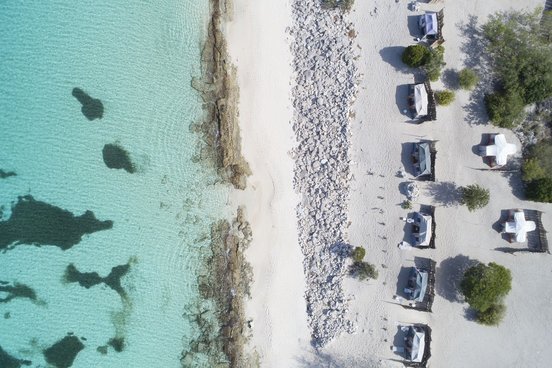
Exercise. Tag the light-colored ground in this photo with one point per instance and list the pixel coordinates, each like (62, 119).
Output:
(259, 46)
(379, 131)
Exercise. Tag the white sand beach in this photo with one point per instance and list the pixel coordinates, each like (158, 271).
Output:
(259, 46)
(380, 137)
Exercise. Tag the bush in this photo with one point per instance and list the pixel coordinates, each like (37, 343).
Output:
(363, 271)
(474, 196)
(467, 78)
(492, 316)
(416, 55)
(505, 108)
(484, 286)
(358, 254)
(445, 97)
(539, 190)
(532, 170)
(406, 205)
(342, 4)
(435, 63)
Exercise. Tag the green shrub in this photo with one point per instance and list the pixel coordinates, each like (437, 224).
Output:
(484, 286)
(445, 97)
(333, 4)
(492, 316)
(474, 196)
(416, 55)
(435, 63)
(505, 108)
(363, 271)
(539, 190)
(467, 78)
(358, 254)
(406, 205)
(532, 170)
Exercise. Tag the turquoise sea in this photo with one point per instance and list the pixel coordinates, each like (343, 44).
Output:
(137, 58)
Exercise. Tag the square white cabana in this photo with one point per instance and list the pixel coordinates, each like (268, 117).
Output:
(518, 226)
(417, 284)
(429, 24)
(415, 344)
(421, 157)
(422, 229)
(499, 149)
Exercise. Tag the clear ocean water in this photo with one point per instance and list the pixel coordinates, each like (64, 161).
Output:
(138, 58)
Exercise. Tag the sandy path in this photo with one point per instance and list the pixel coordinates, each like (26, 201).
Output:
(259, 47)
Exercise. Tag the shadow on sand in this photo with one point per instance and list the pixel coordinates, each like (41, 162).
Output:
(448, 276)
(445, 193)
(322, 360)
(392, 55)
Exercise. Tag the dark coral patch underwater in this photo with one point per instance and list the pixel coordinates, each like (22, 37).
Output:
(92, 108)
(63, 353)
(116, 157)
(7, 361)
(89, 279)
(16, 290)
(39, 223)
(6, 174)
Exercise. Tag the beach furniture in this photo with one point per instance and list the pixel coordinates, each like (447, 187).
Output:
(497, 150)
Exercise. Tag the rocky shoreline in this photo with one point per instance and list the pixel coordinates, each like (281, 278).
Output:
(219, 90)
(325, 87)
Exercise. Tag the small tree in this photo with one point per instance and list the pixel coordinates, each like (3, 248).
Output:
(358, 254)
(363, 271)
(445, 97)
(416, 55)
(474, 196)
(540, 190)
(435, 63)
(492, 316)
(467, 78)
(505, 108)
(485, 285)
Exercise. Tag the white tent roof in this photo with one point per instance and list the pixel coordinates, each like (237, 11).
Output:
(428, 22)
(418, 346)
(420, 99)
(500, 149)
(424, 223)
(520, 227)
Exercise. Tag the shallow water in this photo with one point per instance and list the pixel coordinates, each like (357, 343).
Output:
(137, 59)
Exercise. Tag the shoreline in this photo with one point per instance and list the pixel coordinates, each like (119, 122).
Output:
(220, 315)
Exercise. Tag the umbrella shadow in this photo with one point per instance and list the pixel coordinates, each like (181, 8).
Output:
(402, 282)
(406, 157)
(401, 99)
(413, 26)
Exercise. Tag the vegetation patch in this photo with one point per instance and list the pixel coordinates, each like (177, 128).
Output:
(358, 254)
(363, 271)
(337, 4)
(537, 171)
(474, 196)
(484, 287)
(521, 59)
(416, 55)
(445, 97)
(467, 78)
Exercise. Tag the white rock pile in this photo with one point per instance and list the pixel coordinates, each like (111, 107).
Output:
(324, 89)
